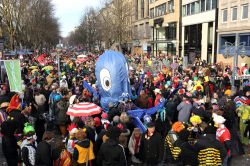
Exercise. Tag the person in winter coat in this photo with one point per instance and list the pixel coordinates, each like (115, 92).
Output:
(43, 151)
(29, 150)
(142, 100)
(134, 145)
(184, 109)
(111, 152)
(151, 148)
(83, 152)
(61, 117)
(170, 139)
(157, 96)
(9, 142)
(186, 154)
(223, 135)
(210, 150)
(60, 155)
(40, 102)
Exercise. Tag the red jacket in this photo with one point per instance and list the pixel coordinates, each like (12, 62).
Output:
(157, 99)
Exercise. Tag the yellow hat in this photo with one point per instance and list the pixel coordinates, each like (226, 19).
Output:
(206, 79)
(196, 119)
(228, 92)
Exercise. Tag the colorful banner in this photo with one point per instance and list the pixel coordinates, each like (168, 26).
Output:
(13, 69)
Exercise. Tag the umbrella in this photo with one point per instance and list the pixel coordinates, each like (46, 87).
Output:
(81, 60)
(34, 70)
(84, 109)
(48, 68)
(33, 67)
(82, 56)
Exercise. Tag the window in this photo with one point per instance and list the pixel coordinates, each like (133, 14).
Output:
(225, 39)
(244, 11)
(152, 13)
(234, 13)
(171, 6)
(197, 6)
(160, 10)
(208, 4)
(214, 4)
(224, 15)
(193, 8)
(203, 4)
(188, 9)
(245, 38)
(142, 8)
(147, 30)
(184, 10)
(135, 31)
(171, 31)
(136, 9)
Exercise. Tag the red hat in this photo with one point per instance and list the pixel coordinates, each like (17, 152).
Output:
(14, 103)
(97, 121)
(181, 91)
(104, 115)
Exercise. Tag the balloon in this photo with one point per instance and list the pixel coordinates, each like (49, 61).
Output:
(112, 76)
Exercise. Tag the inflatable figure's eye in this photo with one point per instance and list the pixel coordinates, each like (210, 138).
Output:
(105, 79)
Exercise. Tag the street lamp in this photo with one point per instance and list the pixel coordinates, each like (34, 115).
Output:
(58, 50)
(234, 50)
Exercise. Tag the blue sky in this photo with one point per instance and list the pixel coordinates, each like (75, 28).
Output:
(70, 12)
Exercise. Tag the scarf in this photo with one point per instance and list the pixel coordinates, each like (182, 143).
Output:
(137, 144)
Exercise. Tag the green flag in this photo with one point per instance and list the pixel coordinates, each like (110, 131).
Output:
(13, 69)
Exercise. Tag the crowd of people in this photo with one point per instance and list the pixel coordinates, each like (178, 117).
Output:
(202, 122)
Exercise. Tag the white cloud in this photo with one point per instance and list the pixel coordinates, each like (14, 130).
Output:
(70, 12)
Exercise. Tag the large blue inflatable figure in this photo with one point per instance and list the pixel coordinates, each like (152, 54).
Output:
(112, 74)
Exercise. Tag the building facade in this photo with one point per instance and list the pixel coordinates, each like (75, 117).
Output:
(233, 27)
(165, 22)
(199, 30)
(141, 29)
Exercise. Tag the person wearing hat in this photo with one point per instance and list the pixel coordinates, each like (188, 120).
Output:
(223, 134)
(157, 96)
(151, 148)
(71, 139)
(63, 82)
(29, 145)
(195, 128)
(83, 151)
(111, 152)
(170, 139)
(210, 150)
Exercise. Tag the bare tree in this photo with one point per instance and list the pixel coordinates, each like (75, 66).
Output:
(116, 18)
(12, 12)
(105, 27)
(29, 22)
(87, 33)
